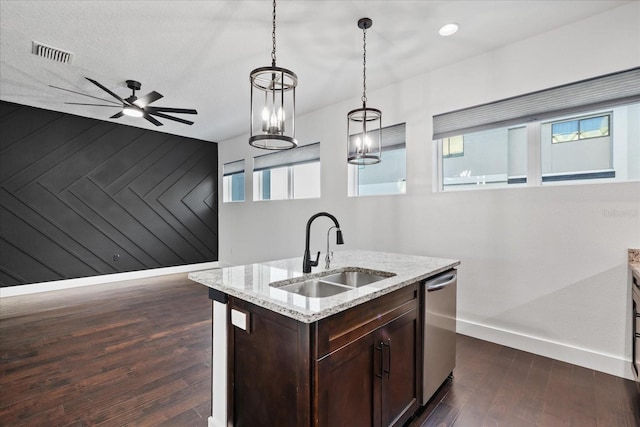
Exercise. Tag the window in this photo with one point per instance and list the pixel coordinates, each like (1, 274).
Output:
(390, 175)
(453, 146)
(581, 132)
(582, 148)
(492, 157)
(574, 130)
(233, 182)
(290, 174)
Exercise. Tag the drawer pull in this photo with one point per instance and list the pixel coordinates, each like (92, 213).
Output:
(387, 370)
(379, 348)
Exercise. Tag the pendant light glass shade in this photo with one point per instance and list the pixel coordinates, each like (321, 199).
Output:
(364, 125)
(364, 131)
(273, 104)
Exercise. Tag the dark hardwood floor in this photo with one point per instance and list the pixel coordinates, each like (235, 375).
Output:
(119, 354)
(495, 385)
(138, 353)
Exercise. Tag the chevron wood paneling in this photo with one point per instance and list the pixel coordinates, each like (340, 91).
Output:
(82, 197)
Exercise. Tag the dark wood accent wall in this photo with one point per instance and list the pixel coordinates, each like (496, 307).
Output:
(82, 197)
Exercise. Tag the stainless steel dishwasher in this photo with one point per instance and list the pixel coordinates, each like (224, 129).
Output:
(439, 351)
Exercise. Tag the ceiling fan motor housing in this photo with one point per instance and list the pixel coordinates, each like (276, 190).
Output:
(134, 85)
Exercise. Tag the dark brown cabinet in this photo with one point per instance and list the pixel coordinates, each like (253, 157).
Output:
(269, 374)
(372, 380)
(635, 327)
(355, 368)
(346, 385)
(398, 387)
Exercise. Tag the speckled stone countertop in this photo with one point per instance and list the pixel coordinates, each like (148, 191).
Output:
(251, 282)
(634, 261)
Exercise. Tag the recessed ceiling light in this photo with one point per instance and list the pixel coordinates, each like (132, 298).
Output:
(448, 29)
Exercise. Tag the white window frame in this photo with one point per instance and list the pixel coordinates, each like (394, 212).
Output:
(589, 97)
(535, 177)
(353, 176)
(227, 189)
(258, 181)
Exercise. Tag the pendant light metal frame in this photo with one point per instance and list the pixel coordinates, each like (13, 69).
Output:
(364, 124)
(278, 85)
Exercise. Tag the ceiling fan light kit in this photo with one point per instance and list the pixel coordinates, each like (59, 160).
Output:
(134, 106)
(364, 125)
(273, 103)
(132, 111)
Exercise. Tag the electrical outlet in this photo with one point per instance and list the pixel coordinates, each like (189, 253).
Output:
(240, 319)
(116, 257)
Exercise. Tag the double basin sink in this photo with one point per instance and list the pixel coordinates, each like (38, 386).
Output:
(332, 282)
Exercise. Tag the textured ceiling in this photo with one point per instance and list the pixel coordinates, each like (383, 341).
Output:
(198, 54)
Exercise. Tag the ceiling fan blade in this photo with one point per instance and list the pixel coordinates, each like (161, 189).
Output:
(171, 110)
(83, 94)
(152, 120)
(94, 105)
(176, 119)
(107, 90)
(117, 115)
(143, 101)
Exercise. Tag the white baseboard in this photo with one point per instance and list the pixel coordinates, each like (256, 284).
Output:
(607, 363)
(56, 285)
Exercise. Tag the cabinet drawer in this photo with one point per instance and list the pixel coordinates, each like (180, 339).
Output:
(343, 328)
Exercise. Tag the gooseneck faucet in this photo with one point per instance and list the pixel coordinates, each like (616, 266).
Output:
(329, 256)
(306, 260)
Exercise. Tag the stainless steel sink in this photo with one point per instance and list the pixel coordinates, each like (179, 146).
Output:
(353, 279)
(315, 288)
(332, 283)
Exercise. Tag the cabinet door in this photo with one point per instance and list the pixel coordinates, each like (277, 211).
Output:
(270, 382)
(348, 390)
(399, 367)
(372, 381)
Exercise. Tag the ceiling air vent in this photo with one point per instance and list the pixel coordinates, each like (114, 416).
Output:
(52, 53)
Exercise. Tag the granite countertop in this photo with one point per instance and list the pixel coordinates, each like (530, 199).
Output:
(634, 261)
(251, 282)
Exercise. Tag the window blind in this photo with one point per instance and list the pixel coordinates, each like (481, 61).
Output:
(393, 137)
(303, 154)
(233, 168)
(591, 94)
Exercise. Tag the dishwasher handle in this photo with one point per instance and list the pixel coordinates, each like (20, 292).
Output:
(441, 282)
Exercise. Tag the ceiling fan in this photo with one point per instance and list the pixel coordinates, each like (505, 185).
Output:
(134, 106)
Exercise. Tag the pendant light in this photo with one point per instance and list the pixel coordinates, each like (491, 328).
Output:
(273, 104)
(364, 125)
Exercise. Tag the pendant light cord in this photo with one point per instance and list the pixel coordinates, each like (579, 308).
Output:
(364, 66)
(273, 36)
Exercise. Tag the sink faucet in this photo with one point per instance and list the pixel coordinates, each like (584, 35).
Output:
(329, 256)
(306, 261)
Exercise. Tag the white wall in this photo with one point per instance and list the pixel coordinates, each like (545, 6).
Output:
(543, 268)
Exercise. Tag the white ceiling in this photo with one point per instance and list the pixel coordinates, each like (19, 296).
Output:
(198, 54)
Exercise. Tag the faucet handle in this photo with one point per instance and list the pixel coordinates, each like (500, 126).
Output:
(315, 263)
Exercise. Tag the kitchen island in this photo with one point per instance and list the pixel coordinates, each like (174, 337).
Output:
(282, 358)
